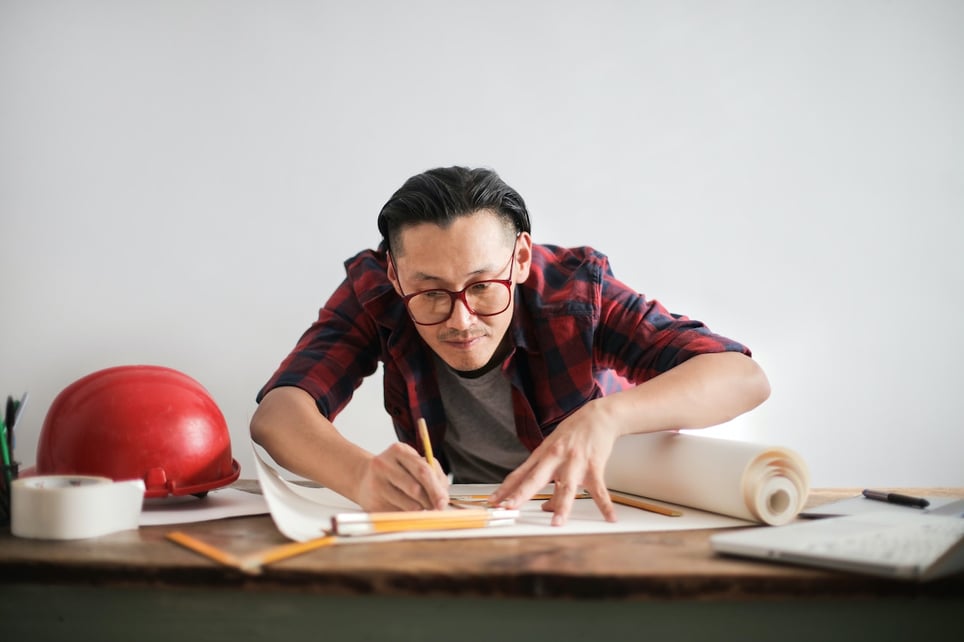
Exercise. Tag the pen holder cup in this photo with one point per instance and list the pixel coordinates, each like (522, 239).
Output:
(9, 472)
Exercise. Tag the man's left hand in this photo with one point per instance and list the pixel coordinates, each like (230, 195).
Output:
(574, 457)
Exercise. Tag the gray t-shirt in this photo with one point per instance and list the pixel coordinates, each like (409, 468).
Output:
(480, 439)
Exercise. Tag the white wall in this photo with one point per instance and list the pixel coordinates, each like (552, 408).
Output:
(181, 180)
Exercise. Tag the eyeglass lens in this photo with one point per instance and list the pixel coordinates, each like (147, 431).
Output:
(483, 298)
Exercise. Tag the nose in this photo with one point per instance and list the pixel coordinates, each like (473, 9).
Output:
(460, 318)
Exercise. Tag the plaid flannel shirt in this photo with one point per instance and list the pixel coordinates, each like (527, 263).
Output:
(578, 334)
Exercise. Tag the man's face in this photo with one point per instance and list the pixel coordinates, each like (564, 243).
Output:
(473, 248)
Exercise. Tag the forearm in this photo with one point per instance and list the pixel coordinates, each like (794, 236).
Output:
(289, 427)
(703, 391)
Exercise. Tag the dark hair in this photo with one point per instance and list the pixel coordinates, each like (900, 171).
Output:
(444, 194)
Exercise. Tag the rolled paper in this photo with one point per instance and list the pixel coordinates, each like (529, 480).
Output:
(756, 482)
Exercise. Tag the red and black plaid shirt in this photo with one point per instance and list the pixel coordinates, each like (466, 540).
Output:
(579, 333)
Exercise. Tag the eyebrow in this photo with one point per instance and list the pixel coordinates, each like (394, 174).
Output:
(423, 276)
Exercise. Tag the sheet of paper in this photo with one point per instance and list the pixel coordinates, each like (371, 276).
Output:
(302, 513)
(218, 504)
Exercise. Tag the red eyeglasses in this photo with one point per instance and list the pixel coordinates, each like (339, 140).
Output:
(485, 298)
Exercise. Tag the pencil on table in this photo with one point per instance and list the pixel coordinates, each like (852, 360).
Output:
(482, 500)
(206, 550)
(254, 562)
(618, 498)
(426, 441)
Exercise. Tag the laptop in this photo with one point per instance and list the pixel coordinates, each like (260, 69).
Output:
(902, 545)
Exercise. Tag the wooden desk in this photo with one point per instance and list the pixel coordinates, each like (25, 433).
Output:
(136, 585)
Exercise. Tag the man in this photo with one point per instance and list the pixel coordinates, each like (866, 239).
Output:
(527, 361)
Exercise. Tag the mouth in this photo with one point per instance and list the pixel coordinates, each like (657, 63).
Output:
(463, 344)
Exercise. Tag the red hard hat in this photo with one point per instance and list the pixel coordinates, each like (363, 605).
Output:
(139, 422)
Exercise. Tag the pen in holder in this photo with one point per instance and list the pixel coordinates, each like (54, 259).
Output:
(10, 468)
(10, 472)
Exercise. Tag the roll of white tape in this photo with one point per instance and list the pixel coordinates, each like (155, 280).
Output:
(73, 507)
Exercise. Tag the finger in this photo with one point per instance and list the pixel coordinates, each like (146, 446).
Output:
(397, 482)
(568, 482)
(549, 506)
(510, 484)
(433, 480)
(399, 491)
(531, 477)
(439, 491)
(424, 483)
(522, 484)
(600, 495)
(562, 498)
(387, 484)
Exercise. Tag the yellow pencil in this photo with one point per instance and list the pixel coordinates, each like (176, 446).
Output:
(253, 563)
(406, 526)
(618, 498)
(481, 499)
(426, 441)
(206, 550)
(399, 521)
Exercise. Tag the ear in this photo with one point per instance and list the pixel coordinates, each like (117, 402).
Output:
(392, 274)
(523, 257)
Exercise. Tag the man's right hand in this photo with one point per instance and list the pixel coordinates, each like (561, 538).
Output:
(289, 427)
(400, 479)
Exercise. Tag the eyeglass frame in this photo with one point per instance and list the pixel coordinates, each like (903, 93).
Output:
(460, 295)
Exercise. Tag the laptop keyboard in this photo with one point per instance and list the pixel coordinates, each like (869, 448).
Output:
(910, 544)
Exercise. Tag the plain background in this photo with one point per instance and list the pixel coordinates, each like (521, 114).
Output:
(180, 181)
